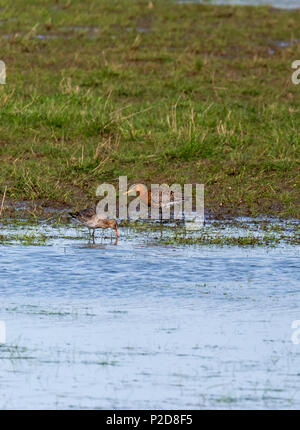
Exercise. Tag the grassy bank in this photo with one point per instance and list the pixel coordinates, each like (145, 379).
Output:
(169, 93)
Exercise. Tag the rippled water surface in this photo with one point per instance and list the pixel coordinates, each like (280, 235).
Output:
(141, 325)
(286, 4)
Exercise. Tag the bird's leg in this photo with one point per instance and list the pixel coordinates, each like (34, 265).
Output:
(161, 221)
(160, 214)
(93, 234)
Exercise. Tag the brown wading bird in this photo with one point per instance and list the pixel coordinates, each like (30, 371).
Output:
(148, 199)
(92, 220)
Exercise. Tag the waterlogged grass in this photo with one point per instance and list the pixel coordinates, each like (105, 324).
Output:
(222, 240)
(172, 93)
(24, 239)
(221, 234)
(247, 232)
(14, 352)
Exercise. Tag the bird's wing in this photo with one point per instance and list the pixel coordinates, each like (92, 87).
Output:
(87, 213)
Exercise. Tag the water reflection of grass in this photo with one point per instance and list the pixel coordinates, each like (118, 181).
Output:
(14, 352)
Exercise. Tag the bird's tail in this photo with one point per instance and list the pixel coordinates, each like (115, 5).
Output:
(74, 214)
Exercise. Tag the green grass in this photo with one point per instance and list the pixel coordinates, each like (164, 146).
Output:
(24, 239)
(203, 94)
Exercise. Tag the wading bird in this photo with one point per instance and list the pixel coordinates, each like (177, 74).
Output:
(147, 197)
(92, 220)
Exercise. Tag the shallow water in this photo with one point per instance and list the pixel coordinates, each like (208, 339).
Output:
(285, 4)
(140, 325)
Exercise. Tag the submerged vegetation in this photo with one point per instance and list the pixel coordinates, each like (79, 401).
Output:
(161, 92)
(221, 233)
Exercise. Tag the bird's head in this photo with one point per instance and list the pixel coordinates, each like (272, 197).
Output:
(139, 188)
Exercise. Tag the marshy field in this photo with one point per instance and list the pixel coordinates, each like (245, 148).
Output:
(164, 317)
